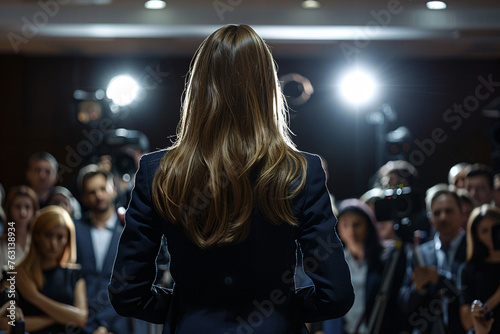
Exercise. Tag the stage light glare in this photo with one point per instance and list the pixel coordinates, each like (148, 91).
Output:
(155, 4)
(358, 88)
(122, 90)
(436, 5)
(311, 4)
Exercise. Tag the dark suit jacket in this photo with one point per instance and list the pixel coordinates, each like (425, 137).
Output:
(421, 308)
(100, 310)
(243, 288)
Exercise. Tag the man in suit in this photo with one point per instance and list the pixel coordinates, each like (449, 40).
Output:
(97, 237)
(429, 294)
(479, 184)
(41, 175)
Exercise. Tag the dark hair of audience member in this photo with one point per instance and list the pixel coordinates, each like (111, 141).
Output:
(476, 250)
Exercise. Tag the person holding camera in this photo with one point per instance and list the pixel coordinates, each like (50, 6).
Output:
(480, 276)
(429, 294)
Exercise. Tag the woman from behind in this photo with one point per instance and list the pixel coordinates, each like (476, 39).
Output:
(234, 199)
(51, 291)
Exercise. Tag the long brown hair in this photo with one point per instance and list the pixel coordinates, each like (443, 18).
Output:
(233, 149)
(476, 250)
(45, 220)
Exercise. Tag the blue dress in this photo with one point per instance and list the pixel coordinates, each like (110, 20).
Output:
(60, 286)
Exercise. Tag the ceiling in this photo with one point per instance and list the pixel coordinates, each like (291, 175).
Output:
(406, 28)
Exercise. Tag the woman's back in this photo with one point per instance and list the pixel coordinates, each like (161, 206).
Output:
(234, 198)
(233, 288)
(247, 284)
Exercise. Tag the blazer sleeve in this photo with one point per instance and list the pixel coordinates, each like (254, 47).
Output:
(131, 289)
(332, 294)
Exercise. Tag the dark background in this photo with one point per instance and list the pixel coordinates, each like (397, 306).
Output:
(38, 111)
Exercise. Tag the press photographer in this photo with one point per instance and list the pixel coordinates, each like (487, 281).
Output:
(119, 154)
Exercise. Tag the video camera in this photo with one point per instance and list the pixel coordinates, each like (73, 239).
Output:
(402, 206)
(120, 145)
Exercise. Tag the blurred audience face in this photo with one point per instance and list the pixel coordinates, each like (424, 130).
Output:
(446, 215)
(41, 175)
(484, 232)
(98, 194)
(22, 211)
(385, 230)
(53, 242)
(457, 174)
(352, 228)
(459, 180)
(62, 201)
(479, 190)
(394, 180)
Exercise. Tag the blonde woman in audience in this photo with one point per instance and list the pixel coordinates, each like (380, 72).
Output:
(50, 286)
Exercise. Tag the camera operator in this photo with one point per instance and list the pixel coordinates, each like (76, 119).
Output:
(429, 295)
(480, 276)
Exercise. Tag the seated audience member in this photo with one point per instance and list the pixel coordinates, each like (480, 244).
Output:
(62, 197)
(41, 175)
(356, 228)
(479, 184)
(480, 277)
(20, 208)
(429, 295)
(457, 174)
(51, 288)
(496, 191)
(97, 236)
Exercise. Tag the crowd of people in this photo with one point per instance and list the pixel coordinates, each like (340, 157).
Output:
(63, 250)
(446, 279)
(440, 266)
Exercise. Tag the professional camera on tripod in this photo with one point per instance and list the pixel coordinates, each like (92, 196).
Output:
(401, 206)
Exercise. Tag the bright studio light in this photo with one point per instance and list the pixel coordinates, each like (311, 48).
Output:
(311, 4)
(122, 90)
(436, 5)
(358, 88)
(155, 4)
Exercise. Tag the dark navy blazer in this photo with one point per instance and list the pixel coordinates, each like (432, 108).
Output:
(101, 313)
(243, 288)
